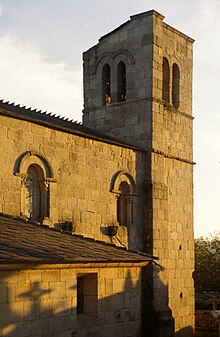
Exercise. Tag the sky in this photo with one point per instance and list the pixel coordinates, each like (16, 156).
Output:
(41, 45)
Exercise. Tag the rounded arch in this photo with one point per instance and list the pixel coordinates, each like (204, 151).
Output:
(35, 174)
(121, 82)
(102, 60)
(29, 158)
(33, 187)
(107, 57)
(126, 55)
(166, 80)
(106, 84)
(175, 85)
(118, 178)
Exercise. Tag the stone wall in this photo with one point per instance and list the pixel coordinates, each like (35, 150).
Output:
(148, 121)
(82, 170)
(130, 120)
(43, 302)
(172, 177)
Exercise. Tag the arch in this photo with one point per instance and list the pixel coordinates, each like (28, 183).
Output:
(123, 205)
(32, 157)
(175, 85)
(33, 196)
(123, 185)
(121, 82)
(166, 80)
(112, 55)
(106, 84)
(119, 177)
(126, 53)
(36, 175)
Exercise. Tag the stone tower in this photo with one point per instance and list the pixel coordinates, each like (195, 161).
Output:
(138, 89)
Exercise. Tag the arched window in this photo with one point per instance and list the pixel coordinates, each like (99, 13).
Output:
(121, 79)
(106, 85)
(36, 194)
(124, 187)
(166, 81)
(36, 176)
(175, 85)
(32, 194)
(123, 204)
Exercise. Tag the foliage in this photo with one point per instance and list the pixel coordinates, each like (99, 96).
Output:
(207, 264)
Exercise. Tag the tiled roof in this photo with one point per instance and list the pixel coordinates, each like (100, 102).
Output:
(22, 242)
(63, 124)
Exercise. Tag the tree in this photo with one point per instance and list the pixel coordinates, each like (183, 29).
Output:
(207, 264)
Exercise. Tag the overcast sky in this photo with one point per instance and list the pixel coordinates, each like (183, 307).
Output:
(41, 45)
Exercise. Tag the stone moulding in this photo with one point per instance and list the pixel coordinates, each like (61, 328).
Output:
(29, 158)
(113, 55)
(120, 176)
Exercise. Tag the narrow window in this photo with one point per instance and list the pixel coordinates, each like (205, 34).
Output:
(175, 85)
(106, 85)
(36, 194)
(87, 294)
(124, 205)
(121, 74)
(166, 81)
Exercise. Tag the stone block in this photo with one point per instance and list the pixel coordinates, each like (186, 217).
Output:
(67, 274)
(3, 293)
(39, 327)
(70, 288)
(57, 290)
(109, 287)
(51, 276)
(57, 324)
(119, 285)
(114, 302)
(11, 313)
(31, 310)
(115, 330)
(46, 308)
(22, 292)
(62, 307)
(131, 299)
(34, 276)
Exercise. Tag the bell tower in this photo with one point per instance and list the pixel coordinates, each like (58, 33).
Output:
(138, 89)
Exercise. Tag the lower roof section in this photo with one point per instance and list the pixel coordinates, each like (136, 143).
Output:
(26, 242)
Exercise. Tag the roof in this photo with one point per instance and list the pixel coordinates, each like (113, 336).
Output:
(27, 242)
(59, 123)
(140, 15)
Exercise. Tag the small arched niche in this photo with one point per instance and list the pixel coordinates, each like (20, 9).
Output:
(166, 80)
(175, 85)
(106, 84)
(123, 186)
(121, 82)
(36, 194)
(36, 175)
(123, 211)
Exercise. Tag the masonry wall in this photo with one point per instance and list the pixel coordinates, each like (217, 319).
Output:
(42, 302)
(172, 179)
(130, 120)
(83, 170)
(148, 121)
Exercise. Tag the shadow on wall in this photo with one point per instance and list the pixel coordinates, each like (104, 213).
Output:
(157, 316)
(187, 331)
(30, 307)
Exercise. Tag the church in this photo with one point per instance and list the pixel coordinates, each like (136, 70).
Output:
(96, 219)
